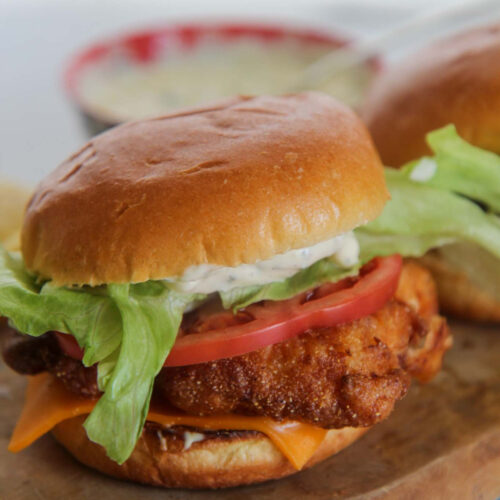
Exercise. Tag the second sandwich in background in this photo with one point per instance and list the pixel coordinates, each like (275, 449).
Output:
(454, 81)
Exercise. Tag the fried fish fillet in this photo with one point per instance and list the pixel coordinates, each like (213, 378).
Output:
(348, 375)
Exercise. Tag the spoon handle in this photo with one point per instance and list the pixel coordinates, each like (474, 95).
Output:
(352, 55)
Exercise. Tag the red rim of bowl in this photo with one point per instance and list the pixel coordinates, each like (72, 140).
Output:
(143, 46)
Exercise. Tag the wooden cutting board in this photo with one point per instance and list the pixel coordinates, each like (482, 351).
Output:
(441, 442)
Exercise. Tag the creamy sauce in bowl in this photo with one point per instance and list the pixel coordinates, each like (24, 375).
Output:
(120, 89)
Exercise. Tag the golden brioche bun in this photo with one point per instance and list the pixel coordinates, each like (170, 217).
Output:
(233, 183)
(458, 295)
(456, 80)
(231, 460)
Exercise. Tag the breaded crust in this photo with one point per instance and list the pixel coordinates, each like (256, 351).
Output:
(348, 375)
(213, 463)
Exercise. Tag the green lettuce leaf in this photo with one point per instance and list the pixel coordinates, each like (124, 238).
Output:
(462, 168)
(87, 313)
(151, 316)
(420, 217)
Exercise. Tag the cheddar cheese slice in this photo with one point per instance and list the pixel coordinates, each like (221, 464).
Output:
(48, 403)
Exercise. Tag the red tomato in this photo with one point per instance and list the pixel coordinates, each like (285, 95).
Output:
(69, 345)
(224, 335)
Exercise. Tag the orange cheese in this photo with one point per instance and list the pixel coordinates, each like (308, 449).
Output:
(48, 403)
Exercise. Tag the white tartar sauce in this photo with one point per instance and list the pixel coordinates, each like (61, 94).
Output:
(424, 170)
(192, 437)
(209, 278)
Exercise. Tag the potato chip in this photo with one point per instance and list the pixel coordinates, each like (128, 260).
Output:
(13, 199)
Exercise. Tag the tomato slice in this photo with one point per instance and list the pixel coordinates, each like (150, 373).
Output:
(69, 345)
(224, 335)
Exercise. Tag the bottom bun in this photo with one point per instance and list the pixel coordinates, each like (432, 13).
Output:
(458, 295)
(224, 459)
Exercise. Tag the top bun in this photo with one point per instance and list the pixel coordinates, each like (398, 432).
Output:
(456, 80)
(232, 183)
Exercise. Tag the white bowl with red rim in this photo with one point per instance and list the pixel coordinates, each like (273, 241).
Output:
(153, 72)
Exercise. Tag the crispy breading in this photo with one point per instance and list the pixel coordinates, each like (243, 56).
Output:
(349, 375)
(31, 355)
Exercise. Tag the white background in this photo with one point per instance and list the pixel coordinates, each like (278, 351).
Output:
(39, 127)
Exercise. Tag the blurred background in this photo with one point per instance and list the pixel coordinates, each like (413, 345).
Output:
(40, 39)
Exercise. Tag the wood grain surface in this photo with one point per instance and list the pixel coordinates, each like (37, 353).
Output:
(441, 442)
